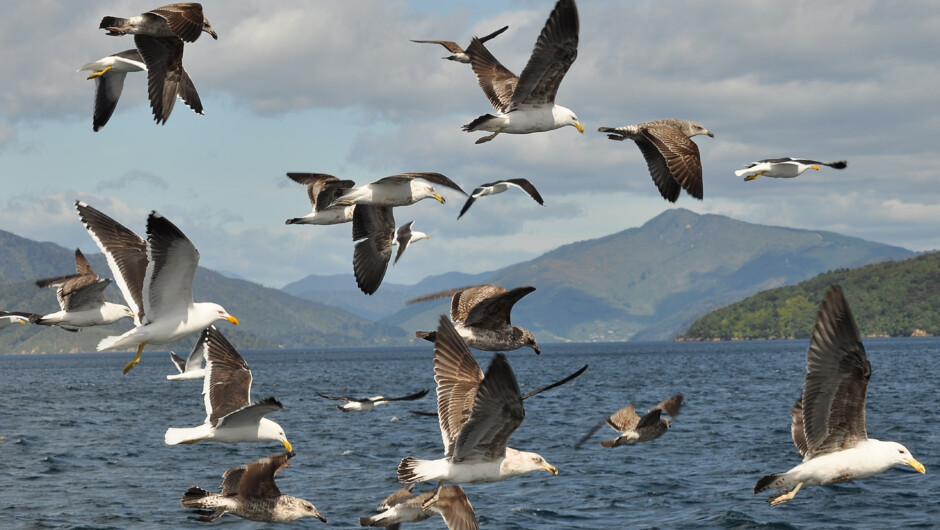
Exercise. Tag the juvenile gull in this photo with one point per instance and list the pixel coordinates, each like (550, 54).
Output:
(184, 21)
(374, 228)
(634, 429)
(492, 188)
(396, 190)
(457, 53)
(156, 279)
(251, 493)
(367, 404)
(405, 507)
(784, 167)
(526, 103)
(109, 73)
(477, 415)
(190, 367)
(672, 157)
(481, 315)
(81, 299)
(321, 190)
(231, 417)
(828, 425)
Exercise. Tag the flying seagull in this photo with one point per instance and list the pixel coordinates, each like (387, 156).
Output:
(477, 415)
(190, 367)
(481, 316)
(405, 507)
(634, 429)
(81, 299)
(492, 188)
(784, 167)
(526, 103)
(231, 417)
(397, 190)
(251, 493)
(367, 404)
(9, 318)
(672, 157)
(457, 53)
(828, 425)
(109, 73)
(156, 278)
(321, 190)
(184, 21)
(374, 228)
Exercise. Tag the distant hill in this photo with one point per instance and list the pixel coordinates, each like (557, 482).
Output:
(894, 299)
(268, 318)
(651, 282)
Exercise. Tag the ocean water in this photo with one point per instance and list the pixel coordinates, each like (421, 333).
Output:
(83, 447)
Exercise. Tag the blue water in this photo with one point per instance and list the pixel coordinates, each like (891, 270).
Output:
(83, 445)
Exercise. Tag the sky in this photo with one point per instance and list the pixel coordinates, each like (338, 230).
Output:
(337, 87)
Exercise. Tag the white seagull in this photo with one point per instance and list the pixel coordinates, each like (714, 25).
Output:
(156, 278)
(477, 414)
(457, 53)
(367, 404)
(374, 228)
(231, 417)
(786, 168)
(81, 299)
(828, 425)
(492, 188)
(321, 190)
(526, 103)
(109, 73)
(397, 190)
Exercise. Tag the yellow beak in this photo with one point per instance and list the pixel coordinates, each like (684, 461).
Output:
(815, 167)
(234, 320)
(916, 465)
(439, 198)
(287, 444)
(22, 322)
(579, 127)
(551, 469)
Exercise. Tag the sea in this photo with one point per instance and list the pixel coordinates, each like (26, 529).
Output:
(82, 444)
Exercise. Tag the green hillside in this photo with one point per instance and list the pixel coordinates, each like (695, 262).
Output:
(895, 299)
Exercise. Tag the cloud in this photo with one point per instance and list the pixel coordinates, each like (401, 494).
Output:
(133, 177)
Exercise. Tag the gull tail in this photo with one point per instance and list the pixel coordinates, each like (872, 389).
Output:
(426, 335)
(472, 126)
(413, 470)
(194, 496)
(742, 172)
(189, 435)
(766, 482)
(109, 342)
(113, 22)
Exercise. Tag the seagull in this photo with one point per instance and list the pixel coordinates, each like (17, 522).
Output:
(231, 417)
(457, 53)
(367, 404)
(405, 507)
(828, 425)
(492, 188)
(477, 414)
(672, 157)
(10, 318)
(156, 279)
(633, 429)
(396, 190)
(251, 493)
(109, 73)
(81, 299)
(190, 367)
(374, 228)
(481, 316)
(526, 103)
(321, 189)
(183, 21)
(784, 167)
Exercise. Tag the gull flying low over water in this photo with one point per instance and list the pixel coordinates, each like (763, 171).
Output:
(457, 53)
(481, 315)
(81, 299)
(322, 189)
(403, 506)
(828, 425)
(526, 103)
(374, 228)
(672, 157)
(784, 167)
(492, 188)
(477, 415)
(397, 190)
(367, 404)
(109, 73)
(190, 367)
(250, 492)
(156, 278)
(635, 429)
(231, 417)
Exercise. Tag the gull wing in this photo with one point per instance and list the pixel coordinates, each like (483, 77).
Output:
(527, 395)
(496, 413)
(497, 82)
(796, 427)
(680, 155)
(410, 397)
(375, 225)
(554, 52)
(172, 261)
(227, 384)
(257, 481)
(671, 405)
(659, 170)
(624, 419)
(493, 312)
(458, 377)
(185, 19)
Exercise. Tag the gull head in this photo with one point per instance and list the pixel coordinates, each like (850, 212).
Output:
(208, 29)
(222, 314)
(564, 116)
(269, 430)
(694, 128)
(905, 458)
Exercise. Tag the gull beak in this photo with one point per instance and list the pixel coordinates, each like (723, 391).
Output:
(287, 445)
(234, 320)
(710, 134)
(916, 465)
(212, 32)
(22, 322)
(579, 127)
(538, 351)
(550, 468)
(439, 198)
(815, 167)
(386, 402)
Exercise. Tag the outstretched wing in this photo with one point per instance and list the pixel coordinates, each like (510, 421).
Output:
(555, 51)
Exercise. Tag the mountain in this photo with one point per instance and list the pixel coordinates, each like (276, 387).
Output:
(268, 317)
(894, 299)
(651, 282)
